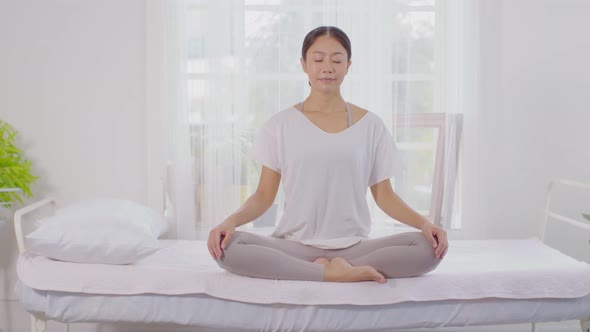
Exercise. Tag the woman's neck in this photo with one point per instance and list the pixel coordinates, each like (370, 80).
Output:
(324, 102)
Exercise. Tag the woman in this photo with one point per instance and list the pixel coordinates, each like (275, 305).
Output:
(327, 152)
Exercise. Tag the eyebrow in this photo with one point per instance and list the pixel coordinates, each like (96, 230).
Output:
(323, 53)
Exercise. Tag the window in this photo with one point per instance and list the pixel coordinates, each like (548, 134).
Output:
(243, 66)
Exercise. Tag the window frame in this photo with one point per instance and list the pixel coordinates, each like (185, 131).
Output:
(434, 121)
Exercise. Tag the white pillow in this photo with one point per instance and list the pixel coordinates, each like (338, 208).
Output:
(96, 244)
(105, 231)
(100, 210)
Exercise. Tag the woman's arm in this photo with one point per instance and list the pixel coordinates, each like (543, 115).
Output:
(253, 208)
(388, 201)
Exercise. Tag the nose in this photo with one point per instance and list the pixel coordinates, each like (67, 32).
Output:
(327, 68)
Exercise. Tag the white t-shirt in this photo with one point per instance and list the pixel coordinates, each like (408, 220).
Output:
(325, 176)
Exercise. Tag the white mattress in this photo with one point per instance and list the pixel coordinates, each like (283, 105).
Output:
(478, 283)
(515, 269)
(200, 310)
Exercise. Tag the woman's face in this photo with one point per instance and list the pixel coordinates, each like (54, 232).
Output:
(326, 64)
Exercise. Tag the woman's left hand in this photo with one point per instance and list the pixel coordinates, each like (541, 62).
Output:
(438, 237)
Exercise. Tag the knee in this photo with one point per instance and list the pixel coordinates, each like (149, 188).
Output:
(421, 241)
(231, 254)
(426, 257)
(227, 259)
(237, 240)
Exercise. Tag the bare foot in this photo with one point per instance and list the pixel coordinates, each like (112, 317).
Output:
(340, 270)
(322, 260)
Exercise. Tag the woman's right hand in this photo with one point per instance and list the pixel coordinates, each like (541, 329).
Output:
(219, 238)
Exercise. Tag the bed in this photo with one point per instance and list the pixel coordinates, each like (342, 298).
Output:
(523, 281)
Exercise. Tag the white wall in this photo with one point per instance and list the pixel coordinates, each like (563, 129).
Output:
(535, 118)
(73, 85)
(72, 82)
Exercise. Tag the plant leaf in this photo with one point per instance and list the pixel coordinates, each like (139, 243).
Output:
(15, 171)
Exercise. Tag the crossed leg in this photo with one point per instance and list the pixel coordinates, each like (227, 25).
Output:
(399, 255)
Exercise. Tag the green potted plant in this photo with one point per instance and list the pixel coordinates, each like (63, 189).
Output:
(15, 170)
(586, 215)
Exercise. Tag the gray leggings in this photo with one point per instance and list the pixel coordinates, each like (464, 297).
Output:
(396, 256)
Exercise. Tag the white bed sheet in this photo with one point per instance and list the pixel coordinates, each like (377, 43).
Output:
(200, 310)
(511, 269)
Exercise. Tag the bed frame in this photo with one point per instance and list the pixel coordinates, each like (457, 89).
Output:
(38, 324)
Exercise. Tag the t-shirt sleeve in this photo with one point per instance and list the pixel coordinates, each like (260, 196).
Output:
(384, 158)
(265, 148)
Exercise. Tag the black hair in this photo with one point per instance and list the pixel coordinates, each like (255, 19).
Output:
(329, 31)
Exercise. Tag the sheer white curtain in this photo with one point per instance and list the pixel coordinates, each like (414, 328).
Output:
(238, 63)
(170, 157)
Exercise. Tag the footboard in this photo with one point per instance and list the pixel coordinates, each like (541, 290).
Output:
(578, 239)
(580, 244)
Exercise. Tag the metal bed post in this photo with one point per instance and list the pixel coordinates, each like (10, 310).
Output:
(37, 324)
